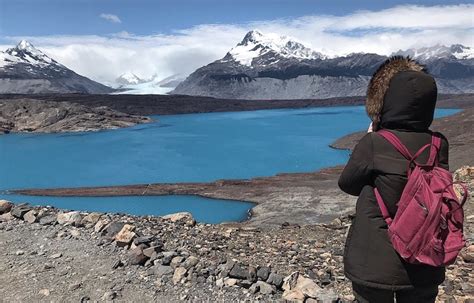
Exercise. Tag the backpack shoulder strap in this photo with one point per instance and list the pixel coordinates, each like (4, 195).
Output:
(390, 137)
(435, 147)
(383, 207)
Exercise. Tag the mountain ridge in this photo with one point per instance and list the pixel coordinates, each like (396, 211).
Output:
(258, 68)
(25, 69)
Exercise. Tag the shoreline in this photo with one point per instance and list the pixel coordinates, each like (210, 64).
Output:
(278, 199)
(282, 197)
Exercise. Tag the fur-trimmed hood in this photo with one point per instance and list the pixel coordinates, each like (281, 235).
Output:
(380, 82)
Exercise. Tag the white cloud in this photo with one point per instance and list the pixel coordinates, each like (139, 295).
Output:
(104, 58)
(111, 18)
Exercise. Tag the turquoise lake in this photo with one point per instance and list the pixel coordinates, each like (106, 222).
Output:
(178, 148)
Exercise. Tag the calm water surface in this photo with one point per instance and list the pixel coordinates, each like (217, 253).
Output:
(178, 148)
(203, 209)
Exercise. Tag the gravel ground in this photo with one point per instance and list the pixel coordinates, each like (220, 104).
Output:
(51, 255)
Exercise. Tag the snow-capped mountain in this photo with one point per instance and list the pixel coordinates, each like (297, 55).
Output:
(129, 78)
(267, 66)
(455, 51)
(25, 69)
(270, 47)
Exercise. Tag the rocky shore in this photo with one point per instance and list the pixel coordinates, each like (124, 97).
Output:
(296, 198)
(29, 115)
(51, 255)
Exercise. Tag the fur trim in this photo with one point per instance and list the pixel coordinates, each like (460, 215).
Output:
(380, 81)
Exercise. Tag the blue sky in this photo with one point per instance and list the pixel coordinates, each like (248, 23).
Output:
(103, 39)
(146, 17)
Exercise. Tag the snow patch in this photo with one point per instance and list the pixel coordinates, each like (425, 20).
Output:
(129, 78)
(153, 86)
(256, 44)
(26, 53)
(457, 51)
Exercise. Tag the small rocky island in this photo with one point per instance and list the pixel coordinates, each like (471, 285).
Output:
(31, 115)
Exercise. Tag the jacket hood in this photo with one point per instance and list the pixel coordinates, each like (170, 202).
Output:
(381, 83)
(409, 102)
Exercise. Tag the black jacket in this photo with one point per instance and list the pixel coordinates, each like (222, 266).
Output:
(369, 258)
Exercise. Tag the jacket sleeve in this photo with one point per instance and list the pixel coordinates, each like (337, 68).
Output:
(359, 169)
(443, 155)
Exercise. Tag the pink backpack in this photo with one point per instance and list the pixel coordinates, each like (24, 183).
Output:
(428, 224)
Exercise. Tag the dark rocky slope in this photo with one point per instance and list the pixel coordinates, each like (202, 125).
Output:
(28, 115)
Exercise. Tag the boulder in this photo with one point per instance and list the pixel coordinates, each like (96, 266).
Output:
(163, 270)
(275, 279)
(151, 250)
(6, 217)
(5, 206)
(265, 288)
(47, 219)
(220, 282)
(179, 274)
(230, 281)
(263, 273)
(20, 210)
(143, 240)
(468, 254)
(100, 225)
(125, 236)
(69, 218)
(294, 295)
(91, 219)
(185, 217)
(167, 257)
(296, 285)
(243, 272)
(112, 229)
(190, 262)
(244, 283)
(176, 261)
(30, 216)
(252, 274)
(136, 256)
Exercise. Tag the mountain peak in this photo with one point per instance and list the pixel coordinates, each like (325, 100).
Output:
(25, 45)
(25, 52)
(252, 36)
(256, 44)
(438, 51)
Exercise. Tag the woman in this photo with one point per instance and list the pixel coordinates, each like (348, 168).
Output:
(401, 97)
